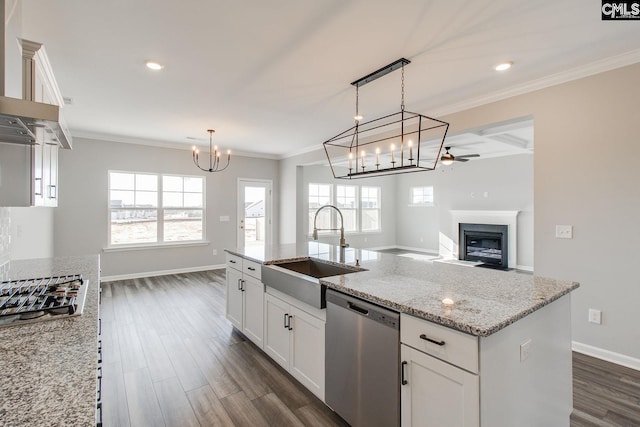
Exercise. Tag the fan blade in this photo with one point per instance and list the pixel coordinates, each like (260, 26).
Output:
(460, 159)
(464, 156)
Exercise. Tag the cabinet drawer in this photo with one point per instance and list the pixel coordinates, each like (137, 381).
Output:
(252, 268)
(234, 261)
(452, 346)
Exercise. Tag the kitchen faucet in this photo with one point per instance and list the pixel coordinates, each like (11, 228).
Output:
(343, 243)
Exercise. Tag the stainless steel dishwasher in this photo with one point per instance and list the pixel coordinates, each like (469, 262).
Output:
(362, 361)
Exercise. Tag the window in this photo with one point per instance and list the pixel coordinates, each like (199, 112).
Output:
(347, 202)
(319, 195)
(370, 201)
(421, 196)
(149, 208)
(360, 207)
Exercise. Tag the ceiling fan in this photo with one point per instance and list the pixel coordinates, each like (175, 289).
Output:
(448, 158)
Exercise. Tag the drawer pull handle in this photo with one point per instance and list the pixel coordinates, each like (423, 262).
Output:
(251, 268)
(426, 338)
(232, 261)
(404, 381)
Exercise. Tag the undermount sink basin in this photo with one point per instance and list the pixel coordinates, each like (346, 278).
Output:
(300, 279)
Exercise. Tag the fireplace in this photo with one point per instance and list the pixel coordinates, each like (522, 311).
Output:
(486, 243)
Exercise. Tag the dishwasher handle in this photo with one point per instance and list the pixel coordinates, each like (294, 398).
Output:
(357, 308)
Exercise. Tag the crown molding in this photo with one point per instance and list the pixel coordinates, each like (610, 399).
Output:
(301, 151)
(597, 67)
(97, 136)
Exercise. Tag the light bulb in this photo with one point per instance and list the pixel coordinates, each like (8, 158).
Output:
(504, 66)
(155, 66)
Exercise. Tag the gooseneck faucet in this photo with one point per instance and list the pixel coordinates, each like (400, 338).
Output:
(343, 243)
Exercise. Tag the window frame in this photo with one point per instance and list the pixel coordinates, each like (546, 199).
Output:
(426, 204)
(160, 209)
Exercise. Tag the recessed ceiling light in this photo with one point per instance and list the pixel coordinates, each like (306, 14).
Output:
(504, 66)
(152, 65)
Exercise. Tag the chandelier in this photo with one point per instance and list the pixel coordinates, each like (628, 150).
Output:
(214, 156)
(401, 142)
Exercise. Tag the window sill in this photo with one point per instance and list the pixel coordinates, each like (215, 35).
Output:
(155, 246)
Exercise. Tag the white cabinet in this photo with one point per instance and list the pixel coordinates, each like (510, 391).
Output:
(295, 339)
(435, 393)
(245, 298)
(456, 379)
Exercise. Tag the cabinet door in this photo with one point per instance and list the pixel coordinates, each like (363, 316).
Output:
(307, 351)
(276, 332)
(234, 298)
(253, 316)
(51, 171)
(37, 156)
(437, 394)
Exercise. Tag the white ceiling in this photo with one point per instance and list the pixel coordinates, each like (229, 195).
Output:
(273, 77)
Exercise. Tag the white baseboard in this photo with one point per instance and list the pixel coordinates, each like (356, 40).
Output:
(380, 248)
(161, 273)
(609, 356)
(524, 268)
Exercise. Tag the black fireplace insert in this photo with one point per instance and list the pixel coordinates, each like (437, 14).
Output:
(486, 243)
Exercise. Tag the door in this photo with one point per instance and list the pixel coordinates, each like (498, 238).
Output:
(254, 214)
(307, 350)
(436, 393)
(253, 319)
(234, 297)
(276, 329)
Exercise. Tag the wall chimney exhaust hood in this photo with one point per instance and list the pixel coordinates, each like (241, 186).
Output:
(22, 119)
(19, 119)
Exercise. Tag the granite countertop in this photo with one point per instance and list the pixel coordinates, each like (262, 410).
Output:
(484, 300)
(48, 369)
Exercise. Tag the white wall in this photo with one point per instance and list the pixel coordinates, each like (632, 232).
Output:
(323, 175)
(31, 232)
(81, 217)
(508, 182)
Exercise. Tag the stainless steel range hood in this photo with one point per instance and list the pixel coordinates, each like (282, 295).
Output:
(20, 119)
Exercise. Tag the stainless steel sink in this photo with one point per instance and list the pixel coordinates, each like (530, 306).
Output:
(301, 279)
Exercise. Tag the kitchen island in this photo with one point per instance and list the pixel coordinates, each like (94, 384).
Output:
(507, 358)
(48, 368)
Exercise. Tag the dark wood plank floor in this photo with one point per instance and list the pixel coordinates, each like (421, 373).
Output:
(171, 358)
(604, 394)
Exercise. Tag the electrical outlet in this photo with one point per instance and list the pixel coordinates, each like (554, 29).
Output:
(595, 316)
(564, 231)
(215, 252)
(525, 350)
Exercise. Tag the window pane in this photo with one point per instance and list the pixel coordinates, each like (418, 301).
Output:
(370, 220)
(183, 224)
(134, 226)
(172, 200)
(146, 182)
(121, 181)
(172, 183)
(323, 220)
(193, 184)
(121, 199)
(422, 195)
(350, 218)
(146, 199)
(193, 200)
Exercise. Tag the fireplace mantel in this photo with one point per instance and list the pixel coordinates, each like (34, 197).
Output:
(510, 218)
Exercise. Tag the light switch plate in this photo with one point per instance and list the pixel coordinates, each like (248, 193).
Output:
(595, 316)
(525, 350)
(564, 231)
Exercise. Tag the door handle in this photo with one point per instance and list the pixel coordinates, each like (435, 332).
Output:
(361, 310)
(242, 285)
(426, 338)
(239, 285)
(402, 378)
(286, 316)
(290, 327)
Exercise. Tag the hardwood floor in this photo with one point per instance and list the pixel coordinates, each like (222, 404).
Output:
(170, 358)
(604, 394)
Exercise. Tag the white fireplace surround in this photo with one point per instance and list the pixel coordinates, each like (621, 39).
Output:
(509, 218)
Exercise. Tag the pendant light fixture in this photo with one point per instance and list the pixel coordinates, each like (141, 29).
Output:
(401, 142)
(214, 156)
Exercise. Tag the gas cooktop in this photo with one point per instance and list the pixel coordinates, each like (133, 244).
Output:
(46, 298)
